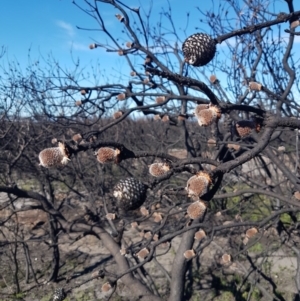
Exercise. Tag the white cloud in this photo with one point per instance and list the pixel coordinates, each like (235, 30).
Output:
(68, 28)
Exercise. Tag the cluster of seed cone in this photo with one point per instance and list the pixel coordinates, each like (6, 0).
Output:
(130, 193)
(108, 155)
(158, 169)
(199, 49)
(54, 156)
(198, 184)
(207, 114)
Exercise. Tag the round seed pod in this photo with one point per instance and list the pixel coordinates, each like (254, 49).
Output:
(119, 17)
(243, 128)
(157, 217)
(160, 99)
(108, 155)
(130, 193)
(93, 46)
(54, 140)
(84, 91)
(226, 258)
(110, 216)
(59, 295)
(121, 96)
(196, 210)
(77, 138)
(54, 156)
(236, 147)
(189, 254)
(213, 79)
(200, 235)
(297, 195)
(254, 86)
(142, 254)
(129, 44)
(165, 118)
(158, 169)
(251, 232)
(199, 49)
(197, 185)
(144, 211)
(118, 114)
(208, 116)
(106, 287)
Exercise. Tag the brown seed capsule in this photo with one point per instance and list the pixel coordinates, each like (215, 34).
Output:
(84, 91)
(54, 156)
(144, 211)
(134, 225)
(118, 114)
(142, 254)
(155, 237)
(196, 210)
(213, 79)
(254, 86)
(108, 155)
(121, 96)
(120, 52)
(54, 140)
(120, 17)
(77, 138)
(200, 235)
(93, 46)
(245, 240)
(236, 147)
(243, 128)
(146, 80)
(110, 216)
(165, 118)
(158, 169)
(129, 44)
(208, 116)
(297, 195)
(106, 287)
(156, 117)
(160, 99)
(251, 232)
(189, 254)
(294, 24)
(78, 103)
(281, 148)
(132, 73)
(148, 235)
(157, 217)
(226, 258)
(197, 185)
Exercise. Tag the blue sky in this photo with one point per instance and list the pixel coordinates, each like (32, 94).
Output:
(50, 27)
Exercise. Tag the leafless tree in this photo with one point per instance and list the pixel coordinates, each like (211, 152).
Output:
(224, 194)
